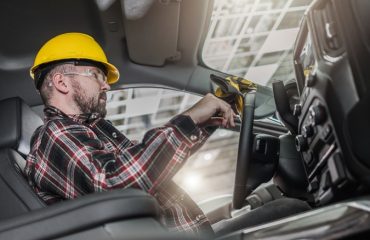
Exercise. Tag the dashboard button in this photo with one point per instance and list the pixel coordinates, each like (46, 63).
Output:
(301, 143)
(326, 181)
(336, 169)
(308, 157)
(326, 133)
(317, 114)
(307, 131)
(313, 186)
(297, 109)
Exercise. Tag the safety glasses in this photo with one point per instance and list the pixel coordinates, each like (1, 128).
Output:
(95, 74)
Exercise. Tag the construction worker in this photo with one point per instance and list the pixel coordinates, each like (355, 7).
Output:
(77, 152)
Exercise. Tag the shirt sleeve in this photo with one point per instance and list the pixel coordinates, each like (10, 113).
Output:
(73, 161)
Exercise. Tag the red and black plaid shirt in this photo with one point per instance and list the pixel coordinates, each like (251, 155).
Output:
(75, 155)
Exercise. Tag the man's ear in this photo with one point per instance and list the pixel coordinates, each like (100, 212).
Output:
(61, 84)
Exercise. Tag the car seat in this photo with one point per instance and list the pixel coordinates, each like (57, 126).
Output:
(118, 214)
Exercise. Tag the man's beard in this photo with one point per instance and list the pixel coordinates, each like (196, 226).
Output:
(89, 104)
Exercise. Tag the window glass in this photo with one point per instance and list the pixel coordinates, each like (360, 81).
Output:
(254, 38)
(299, 3)
(210, 171)
(291, 20)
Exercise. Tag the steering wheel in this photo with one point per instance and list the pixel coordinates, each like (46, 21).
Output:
(244, 151)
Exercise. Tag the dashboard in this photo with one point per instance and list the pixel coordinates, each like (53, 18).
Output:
(333, 111)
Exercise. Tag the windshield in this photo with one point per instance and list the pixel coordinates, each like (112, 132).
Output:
(253, 39)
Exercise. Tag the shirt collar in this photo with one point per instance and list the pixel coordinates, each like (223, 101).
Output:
(54, 113)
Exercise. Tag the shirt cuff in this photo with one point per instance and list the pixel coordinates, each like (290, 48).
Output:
(188, 129)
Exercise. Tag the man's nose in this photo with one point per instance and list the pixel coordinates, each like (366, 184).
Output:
(105, 86)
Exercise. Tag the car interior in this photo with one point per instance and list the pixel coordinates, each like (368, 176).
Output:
(316, 156)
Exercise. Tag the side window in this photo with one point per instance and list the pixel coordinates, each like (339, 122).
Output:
(210, 171)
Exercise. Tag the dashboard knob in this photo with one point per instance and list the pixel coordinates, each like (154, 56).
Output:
(297, 109)
(318, 114)
(301, 143)
(307, 131)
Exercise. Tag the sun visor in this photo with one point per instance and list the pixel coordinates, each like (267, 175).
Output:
(156, 40)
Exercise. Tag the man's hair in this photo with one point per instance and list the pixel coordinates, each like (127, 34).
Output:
(46, 89)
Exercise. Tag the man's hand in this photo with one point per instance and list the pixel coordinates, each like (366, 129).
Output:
(211, 110)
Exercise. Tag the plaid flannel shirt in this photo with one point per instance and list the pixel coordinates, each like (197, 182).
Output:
(75, 155)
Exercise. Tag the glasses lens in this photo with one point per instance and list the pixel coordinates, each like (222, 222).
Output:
(101, 77)
(98, 75)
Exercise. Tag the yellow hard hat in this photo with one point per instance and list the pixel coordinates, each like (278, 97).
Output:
(72, 46)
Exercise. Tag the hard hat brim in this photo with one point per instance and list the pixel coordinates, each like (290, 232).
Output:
(112, 72)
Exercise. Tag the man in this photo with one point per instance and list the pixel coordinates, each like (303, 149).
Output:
(77, 152)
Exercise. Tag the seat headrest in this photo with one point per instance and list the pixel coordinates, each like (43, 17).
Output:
(17, 124)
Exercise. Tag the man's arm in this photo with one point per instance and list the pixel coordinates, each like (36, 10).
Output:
(71, 160)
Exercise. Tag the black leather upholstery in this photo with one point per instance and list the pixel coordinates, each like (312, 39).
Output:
(82, 214)
(17, 124)
(16, 196)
